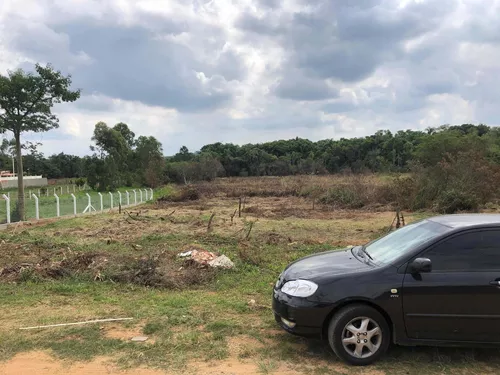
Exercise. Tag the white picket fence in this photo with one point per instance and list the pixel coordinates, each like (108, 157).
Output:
(126, 199)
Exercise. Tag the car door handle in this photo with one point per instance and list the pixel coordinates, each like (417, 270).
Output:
(496, 282)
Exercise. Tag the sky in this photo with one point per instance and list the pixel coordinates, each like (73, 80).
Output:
(194, 72)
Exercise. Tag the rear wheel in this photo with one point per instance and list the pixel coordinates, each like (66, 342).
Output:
(359, 335)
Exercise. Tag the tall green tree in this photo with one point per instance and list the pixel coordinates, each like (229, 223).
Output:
(113, 150)
(26, 101)
(150, 161)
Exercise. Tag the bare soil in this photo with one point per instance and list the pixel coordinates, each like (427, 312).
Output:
(41, 363)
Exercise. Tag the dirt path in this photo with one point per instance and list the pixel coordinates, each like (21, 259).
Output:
(41, 363)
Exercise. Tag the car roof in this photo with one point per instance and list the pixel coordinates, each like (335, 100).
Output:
(466, 220)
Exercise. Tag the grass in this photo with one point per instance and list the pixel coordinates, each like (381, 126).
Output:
(47, 204)
(211, 321)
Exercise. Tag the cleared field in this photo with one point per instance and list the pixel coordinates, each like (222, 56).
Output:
(197, 322)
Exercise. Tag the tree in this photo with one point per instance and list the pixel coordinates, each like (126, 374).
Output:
(150, 160)
(26, 101)
(114, 152)
(126, 133)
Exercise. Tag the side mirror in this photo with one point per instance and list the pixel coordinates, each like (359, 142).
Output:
(420, 265)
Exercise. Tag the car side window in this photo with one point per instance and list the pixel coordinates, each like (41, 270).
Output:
(472, 251)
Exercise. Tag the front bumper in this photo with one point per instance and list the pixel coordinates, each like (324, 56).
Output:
(307, 315)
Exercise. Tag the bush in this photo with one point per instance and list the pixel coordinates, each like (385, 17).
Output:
(80, 182)
(187, 193)
(452, 201)
(462, 182)
(342, 196)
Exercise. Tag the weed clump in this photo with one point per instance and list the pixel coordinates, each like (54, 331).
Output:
(185, 194)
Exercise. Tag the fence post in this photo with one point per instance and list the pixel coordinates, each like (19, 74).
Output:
(120, 198)
(89, 207)
(74, 204)
(30, 194)
(135, 196)
(145, 195)
(140, 194)
(39, 192)
(100, 197)
(61, 191)
(47, 192)
(58, 211)
(111, 196)
(54, 190)
(7, 206)
(128, 198)
(73, 188)
(37, 212)
(151, 197)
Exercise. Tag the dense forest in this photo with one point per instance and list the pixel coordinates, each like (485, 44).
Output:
(120, 159)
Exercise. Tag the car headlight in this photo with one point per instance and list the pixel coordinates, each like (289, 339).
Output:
(299, 288)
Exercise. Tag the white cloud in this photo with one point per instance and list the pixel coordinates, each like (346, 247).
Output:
(194, 72)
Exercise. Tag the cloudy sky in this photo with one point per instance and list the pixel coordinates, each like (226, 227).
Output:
(192, 72)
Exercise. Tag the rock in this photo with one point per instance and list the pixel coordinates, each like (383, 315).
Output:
(139, 338)
(251, 302)
(221, 262)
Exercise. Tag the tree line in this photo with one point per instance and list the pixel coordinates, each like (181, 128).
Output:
(121, 159)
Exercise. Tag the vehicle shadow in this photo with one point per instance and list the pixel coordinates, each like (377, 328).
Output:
(426, 359)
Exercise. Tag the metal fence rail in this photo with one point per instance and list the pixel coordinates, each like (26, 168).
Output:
(55, 205)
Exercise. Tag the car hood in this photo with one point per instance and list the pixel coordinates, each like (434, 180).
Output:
(325, 264)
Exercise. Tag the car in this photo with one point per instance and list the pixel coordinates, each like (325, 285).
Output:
(433, 282)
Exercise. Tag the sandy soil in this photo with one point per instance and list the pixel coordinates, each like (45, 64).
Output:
(41, 363)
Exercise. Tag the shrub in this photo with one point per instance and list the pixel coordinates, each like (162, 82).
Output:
(187, 193)
(452, 201)
(342, 196)
(461, 182)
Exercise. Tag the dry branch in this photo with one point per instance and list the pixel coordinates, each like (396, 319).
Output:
(209, 227)
(77, 323)
(249, 230)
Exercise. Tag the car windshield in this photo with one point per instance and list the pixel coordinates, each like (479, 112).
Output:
(388, 248)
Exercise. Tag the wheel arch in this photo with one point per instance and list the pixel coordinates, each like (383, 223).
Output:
(356, 301)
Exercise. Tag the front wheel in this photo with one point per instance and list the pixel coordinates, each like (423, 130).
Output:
(359, 335)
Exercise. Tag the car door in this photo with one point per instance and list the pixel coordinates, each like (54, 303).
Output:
(459, 299)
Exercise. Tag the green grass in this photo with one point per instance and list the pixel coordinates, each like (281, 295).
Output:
(47, 204)
(198, 323)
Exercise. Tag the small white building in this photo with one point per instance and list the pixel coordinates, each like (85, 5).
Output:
(10, 182)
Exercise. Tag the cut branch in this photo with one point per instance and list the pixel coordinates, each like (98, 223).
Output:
(209, 227)
(249, 230)
(233, 215)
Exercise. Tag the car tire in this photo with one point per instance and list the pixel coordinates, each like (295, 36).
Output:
(359, 334)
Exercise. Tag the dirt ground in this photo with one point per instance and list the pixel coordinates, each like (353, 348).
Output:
(41, 363)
